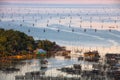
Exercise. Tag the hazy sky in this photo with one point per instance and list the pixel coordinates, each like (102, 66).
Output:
(65, 1)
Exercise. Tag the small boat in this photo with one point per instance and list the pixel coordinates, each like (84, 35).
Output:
(44, 64)
(43, 61)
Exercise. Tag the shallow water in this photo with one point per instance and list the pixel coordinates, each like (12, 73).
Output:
(60, 18)
(64, 19)
(34, 65)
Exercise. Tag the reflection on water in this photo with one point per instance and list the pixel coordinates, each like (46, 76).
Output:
(34, 65)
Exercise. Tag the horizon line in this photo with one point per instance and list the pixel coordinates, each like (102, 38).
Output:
(62, 1)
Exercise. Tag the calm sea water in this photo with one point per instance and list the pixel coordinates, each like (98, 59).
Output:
(63, 24)
(70, 20)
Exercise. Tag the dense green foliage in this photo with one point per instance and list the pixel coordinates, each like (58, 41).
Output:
(45, 44)
(16, 42)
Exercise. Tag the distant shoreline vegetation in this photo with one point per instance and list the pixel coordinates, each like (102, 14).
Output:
(14, 43)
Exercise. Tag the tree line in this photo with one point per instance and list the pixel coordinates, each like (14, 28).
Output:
(15, 42)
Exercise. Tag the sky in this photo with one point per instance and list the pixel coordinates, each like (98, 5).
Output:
(65, 1)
